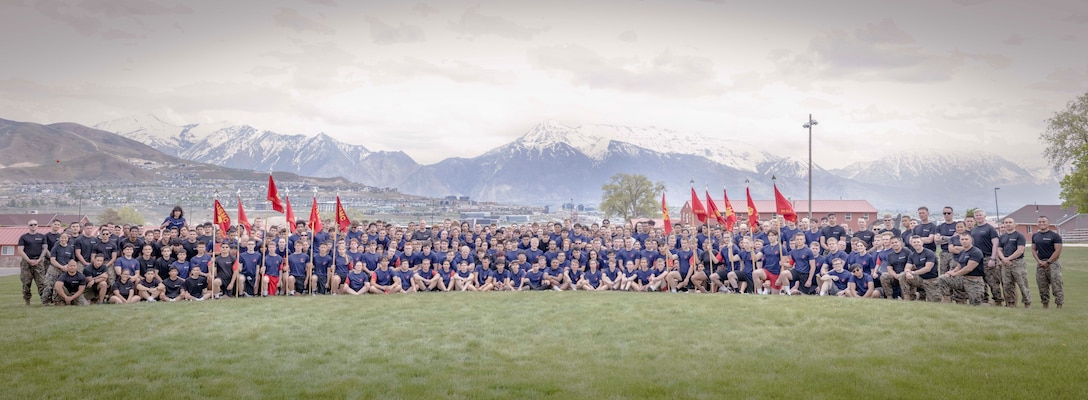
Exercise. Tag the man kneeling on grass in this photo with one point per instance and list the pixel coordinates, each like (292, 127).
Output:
(965, 280)
(69, 287)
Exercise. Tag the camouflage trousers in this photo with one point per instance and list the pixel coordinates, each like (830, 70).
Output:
(959, 287)
(78, 301)
(51, 275)
(993, 281)
(35, 274)
(944, 262)
(1049, 279)
(1016, 276)
(910, 288)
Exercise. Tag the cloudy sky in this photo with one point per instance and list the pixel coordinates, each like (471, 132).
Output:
(453, 78)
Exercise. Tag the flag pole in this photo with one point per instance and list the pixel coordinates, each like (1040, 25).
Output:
(289, 224)
(335, 240)
(215, 227)
(264, 252)
(313, 241)
(706, 190)
(774, 182)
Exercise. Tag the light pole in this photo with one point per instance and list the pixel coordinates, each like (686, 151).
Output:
(808, 125)
(996, 207)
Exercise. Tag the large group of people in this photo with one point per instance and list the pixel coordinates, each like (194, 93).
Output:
(966, 261)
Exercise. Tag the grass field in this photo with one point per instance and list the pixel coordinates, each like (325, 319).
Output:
(548, 344)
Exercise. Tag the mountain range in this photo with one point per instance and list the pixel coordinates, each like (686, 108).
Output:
(552, 163)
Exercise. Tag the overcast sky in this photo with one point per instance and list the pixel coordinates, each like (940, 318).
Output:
(452, 78)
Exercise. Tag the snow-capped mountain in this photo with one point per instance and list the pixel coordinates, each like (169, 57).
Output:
(243, 146)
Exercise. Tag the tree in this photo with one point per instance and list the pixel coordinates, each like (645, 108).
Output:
(126, 215)
(630, 196)
(1066, 139)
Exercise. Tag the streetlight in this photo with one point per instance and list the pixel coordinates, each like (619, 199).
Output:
(808, 125)
(996, 207)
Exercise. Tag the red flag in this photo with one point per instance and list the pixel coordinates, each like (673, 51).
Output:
(665, 215)
(712, 210)
(730, 215)
(220, 217)
(274, 195)
(315, 218)
(242, 218)
(753, 215)
(341, 216)
(290, 215)
(697, 207)
(785, 209)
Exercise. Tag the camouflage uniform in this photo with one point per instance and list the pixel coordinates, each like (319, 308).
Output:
(909, 286)
(993, 281)
(945, 261)
(958, 287)
(931, 287)
(1013, 276)
(51, 274)
(1049, 279)
(78, 301)
(35, 274)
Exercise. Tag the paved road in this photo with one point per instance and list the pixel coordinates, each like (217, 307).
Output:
(9, 271)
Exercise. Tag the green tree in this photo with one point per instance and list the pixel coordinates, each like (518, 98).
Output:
(126, 215)
(630, 196)
(1066, 139)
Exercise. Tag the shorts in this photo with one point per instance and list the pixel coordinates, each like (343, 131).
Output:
(273, 283)
(322, 281)
(834, 290)
(250, 286)
(178, 294)
(537, 286)
(300, 284)
(773, 278)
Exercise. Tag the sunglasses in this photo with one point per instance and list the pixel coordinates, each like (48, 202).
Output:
(947, 213)
(32, 224)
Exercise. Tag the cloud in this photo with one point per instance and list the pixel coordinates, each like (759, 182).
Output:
(1069, 38)
(886, 32)
(409, 68)
(473, 23)
(88, 17)
(1014, 40)
(667, 74)
(384, 34)
(424, 9)
(330, 3)
(1063, 80)
(292, 19)
(1077, 18)
(628, 36)
(320, 67)
(128, 8)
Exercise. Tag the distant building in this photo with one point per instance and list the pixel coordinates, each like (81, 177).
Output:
(1068, 222)
(20, 220)
(848, 211)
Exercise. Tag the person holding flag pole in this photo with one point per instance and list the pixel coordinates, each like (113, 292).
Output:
(315, 227)
(272, 280)
(222, 268)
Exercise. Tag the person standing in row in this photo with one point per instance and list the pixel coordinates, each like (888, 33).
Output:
(1046, 246)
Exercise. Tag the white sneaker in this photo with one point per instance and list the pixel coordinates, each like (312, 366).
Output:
(575, 288)
(557, 289)
(151, 300)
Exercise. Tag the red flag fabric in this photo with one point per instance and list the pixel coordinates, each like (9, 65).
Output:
(290, 215)
(697, 207)
(730, 215)
(712, 210)
(242, 218)
(753, 214)
(274, 195)
(220, 217)
(783, 206)
(342, 216)
(315, 218)
(665, 216)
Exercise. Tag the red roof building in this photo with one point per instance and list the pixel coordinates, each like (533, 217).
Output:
(1068, 222)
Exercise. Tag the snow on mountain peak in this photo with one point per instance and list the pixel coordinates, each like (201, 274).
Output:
(593, 139)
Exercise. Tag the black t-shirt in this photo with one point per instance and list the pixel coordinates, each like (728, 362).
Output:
(107, 249)
(946, 230)
(85, 245)
(1044, 243)
(983, 236)
(163, 266)
(1009, 242)
(33, 244)
(224, 268)
(173, 286)
(63, 254)
(146, 264)
(91, 272)
(866, 236)
(190, 249)
(974, 254)
(150, 285)
(137, 244)
(833, 232)
(926, 230)
(125, 289)
(195, 285)
(919, 259)
(898, 261)
(72, 282)
(51, 239)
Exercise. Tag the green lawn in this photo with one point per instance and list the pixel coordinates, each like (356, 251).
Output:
(548, 344)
